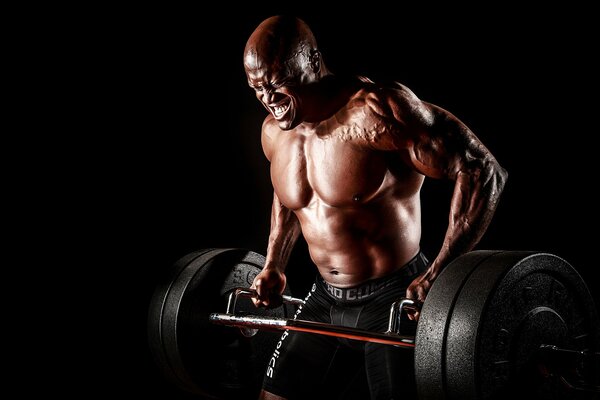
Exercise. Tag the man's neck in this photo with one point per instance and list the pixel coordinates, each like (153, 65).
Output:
(327, 96)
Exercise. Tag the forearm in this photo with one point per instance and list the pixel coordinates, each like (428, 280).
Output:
(474, 201)
(285, 230)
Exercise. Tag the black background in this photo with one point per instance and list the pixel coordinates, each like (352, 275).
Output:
(177, 166)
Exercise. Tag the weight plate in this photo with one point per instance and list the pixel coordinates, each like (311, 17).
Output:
(433, 323)
(196, 355)
(513, 302)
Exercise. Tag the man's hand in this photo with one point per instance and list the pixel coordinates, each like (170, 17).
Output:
(269, 285)
(418, 290)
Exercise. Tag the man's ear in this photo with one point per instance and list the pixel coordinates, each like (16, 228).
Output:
(315, 60)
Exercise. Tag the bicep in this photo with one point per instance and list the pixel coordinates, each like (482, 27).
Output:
(443, 147)
(282, 218)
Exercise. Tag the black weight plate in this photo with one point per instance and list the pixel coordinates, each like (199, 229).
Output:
(201, 357)
(157, 305)
(433, 323)
(510, 305)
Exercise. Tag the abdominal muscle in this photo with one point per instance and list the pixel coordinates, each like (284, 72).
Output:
(351, 245)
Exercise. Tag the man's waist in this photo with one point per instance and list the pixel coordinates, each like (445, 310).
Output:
(366, 289)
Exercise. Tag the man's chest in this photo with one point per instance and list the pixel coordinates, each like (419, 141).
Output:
(331, 168)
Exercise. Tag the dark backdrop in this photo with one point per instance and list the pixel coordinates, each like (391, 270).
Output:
(182, 167)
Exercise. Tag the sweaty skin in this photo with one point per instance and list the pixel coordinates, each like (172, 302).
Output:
(348, 159)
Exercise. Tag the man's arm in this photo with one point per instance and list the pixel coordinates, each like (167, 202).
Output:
(439, 145)
(450, 150)
(285, 230)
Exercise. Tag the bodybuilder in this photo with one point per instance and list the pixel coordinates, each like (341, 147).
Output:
(348, 157)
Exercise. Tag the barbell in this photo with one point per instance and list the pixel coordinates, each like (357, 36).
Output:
(494, 324)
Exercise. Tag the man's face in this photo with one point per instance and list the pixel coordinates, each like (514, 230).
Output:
(277, 86)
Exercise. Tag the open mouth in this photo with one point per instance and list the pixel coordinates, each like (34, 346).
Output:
(280, 109)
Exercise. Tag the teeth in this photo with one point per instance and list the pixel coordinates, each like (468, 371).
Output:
(280, 110)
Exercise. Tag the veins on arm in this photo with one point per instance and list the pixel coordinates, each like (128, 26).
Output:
(443, 147)
(285, 227)
(285, 231)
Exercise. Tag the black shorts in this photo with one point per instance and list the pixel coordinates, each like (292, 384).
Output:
(306, 366)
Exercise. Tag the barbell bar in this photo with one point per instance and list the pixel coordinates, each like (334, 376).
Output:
(249, 323)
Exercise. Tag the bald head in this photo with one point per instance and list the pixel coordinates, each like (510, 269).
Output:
(281, 60)
(282, 42)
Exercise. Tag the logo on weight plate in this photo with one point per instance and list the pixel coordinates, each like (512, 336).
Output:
(250, 277)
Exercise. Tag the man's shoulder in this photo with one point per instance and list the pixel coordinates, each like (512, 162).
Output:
(270, 129)
(382, 96)
(268, 135)
(382, 89)
(270, 125)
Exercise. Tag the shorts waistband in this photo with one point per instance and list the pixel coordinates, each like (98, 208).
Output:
(369, 288)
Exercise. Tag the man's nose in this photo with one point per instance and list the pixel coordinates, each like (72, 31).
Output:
(267, 96)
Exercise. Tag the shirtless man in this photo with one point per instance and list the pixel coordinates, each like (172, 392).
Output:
(348, 159)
